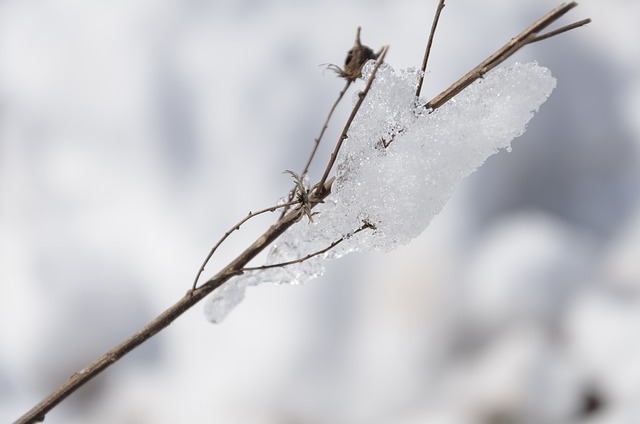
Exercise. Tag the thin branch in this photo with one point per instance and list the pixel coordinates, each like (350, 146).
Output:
(560, 30)
(236, 228)
(527, 36)
(427, 51)
(324, 128)
(386, 143)
(305, 170)
(357, 56)
(237, 266)
(80, 378)
(354, 112)
(309, 256)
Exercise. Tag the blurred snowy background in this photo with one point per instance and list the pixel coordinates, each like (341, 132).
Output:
(134, 133)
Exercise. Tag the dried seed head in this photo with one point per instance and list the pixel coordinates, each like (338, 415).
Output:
(356, 58)
(302, 195)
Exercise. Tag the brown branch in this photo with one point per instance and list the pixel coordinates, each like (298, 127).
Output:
(317, 142)
(324, 128)
(560, 30)
(354, 112)
(77, 380)
(527, 36)
(236, 228)
(321, 190)
(309, 256)
(427, 51)
(355, 60)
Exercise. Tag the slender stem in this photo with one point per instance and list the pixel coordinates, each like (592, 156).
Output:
(235, 267)
(560, 30)
(324, 128)
(295, 261)
(354, 112)
(77, 380)
(427, 51)
(231, 230)
(318, 139)
(309, 256)
(525, 37)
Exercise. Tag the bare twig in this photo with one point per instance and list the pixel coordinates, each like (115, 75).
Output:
(305, 170)
(236, 228)
(324, 128)
(235, 267)
(527, 36)
(77, 380)
(560, 30)
(354, 112)
(427, 51)
(357, 56)
(309, 256)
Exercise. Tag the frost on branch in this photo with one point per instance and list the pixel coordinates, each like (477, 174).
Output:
(398, 167)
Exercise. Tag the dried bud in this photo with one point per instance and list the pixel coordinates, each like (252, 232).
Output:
(356, 58)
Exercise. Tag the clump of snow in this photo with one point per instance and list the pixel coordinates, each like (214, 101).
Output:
(399, 166)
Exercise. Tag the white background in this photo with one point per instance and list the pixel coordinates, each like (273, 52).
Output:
(134, 133)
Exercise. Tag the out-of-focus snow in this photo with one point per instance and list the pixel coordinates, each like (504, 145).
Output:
(398, 167)
(133, 134)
